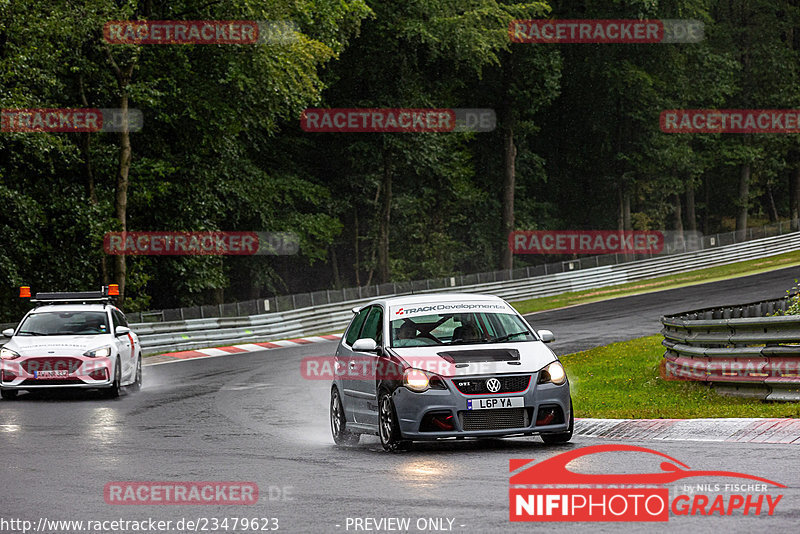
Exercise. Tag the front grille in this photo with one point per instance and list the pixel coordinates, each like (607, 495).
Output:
(498, 419)
(477, 386)
(52, 382)
(51, 363)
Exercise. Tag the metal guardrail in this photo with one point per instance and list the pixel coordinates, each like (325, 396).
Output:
(200, 333)
(285, 303)
(741, 350)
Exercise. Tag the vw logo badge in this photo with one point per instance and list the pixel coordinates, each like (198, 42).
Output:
(493, 385)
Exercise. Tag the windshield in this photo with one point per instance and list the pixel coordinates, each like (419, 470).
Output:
(459, 329)
(65, 324)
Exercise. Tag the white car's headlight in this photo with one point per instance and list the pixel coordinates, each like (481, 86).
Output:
(554, 373)
(103, 352)
(8, 354)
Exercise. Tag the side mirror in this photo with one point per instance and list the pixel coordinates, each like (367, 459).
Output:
(121, 330)
(365, 345)
(356, 309)
(8, 332)
(546, 335)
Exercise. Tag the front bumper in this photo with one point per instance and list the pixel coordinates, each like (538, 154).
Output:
(416, 410)
(38, 372)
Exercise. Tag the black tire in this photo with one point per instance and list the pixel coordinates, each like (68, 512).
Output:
(341, 436)
(9, 394)
(388, 425)
(561, 437)
(112, 392)
(137, 382)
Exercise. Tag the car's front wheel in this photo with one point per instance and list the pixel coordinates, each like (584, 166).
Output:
(388, 425)
(8, 393)
(137, 381)
(341, 436)
(561, 437)
(113, 391)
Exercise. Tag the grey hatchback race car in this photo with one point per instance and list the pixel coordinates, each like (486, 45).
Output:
(436, 366)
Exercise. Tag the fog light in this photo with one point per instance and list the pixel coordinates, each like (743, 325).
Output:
(549, 415)
(8, 376)
(99, 374)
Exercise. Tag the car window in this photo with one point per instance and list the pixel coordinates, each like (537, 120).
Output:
(66, 323)
(372, 326)
(458, 328)
(119, 319)
(355, 326)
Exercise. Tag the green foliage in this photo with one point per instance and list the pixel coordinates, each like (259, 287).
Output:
(221, 148)
(793, 301)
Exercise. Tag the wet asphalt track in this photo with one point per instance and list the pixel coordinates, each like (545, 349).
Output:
(251, 417)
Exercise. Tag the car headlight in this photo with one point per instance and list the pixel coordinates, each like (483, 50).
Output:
(553, 372)
(419, 380)
(8, 354)
(103, 352)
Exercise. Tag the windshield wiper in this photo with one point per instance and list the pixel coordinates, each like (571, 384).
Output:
(31, 333)
(509, 336)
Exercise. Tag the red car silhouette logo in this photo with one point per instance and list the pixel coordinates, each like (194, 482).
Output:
(554, 470)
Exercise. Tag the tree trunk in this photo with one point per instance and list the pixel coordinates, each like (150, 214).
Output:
(772, 210)
(86, 143)
(744, 202)
(626, 209)
(707, 204)
(121, 194)
(386, 213)
(337, 281)
(794, 182)
(123, 78)
(357, 265)
(509, 184)
(677, 220)
(691, 213)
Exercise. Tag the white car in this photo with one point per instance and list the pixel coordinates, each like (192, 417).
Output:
(71, 340)
(434, 366)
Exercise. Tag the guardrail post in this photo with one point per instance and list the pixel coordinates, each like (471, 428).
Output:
(294, 302)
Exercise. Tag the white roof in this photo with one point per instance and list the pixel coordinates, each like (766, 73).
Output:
(423, 298)
(70, 307)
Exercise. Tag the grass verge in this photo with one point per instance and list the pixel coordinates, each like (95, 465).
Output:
(621, 381)
(699, 276)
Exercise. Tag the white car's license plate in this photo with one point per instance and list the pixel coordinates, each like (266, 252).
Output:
(58, 373)
(497, 402)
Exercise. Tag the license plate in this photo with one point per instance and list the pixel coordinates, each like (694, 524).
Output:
(44, 375)
(496, 402)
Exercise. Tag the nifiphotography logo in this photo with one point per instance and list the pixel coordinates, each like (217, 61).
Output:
(548, 491)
